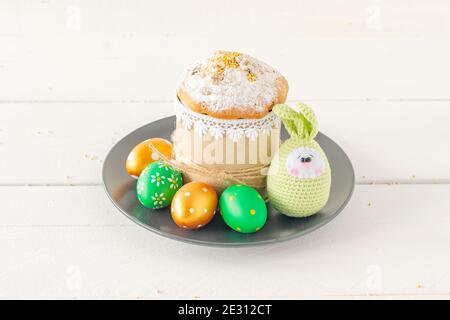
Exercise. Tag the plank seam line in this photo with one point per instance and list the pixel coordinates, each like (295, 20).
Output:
(368, 295)
(138, 101)
(358, 183)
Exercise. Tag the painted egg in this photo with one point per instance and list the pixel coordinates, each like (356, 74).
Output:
(243, 209)
(157, 184)
(194, 205)
(142, 155)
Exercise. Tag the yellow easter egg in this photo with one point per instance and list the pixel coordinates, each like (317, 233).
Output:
(142, 155)
(194, 205)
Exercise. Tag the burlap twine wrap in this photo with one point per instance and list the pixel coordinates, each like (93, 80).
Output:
(259, 140)
(217, 176)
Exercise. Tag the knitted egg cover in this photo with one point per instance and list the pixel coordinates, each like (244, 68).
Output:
(298, 195)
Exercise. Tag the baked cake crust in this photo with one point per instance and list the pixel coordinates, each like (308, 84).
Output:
(232, 85)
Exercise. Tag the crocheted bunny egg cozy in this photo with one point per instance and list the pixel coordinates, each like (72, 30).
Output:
(299, 177)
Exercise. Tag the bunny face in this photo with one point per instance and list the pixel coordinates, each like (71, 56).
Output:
(305, 163)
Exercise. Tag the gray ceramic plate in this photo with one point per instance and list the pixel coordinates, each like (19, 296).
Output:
(121, 190)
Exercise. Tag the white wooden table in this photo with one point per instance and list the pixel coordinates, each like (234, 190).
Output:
(75, 76)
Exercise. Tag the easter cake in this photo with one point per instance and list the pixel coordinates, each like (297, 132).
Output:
(232, 85)
(225, 124)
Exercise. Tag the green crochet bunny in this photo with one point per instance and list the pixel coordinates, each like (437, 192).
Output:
(299, 178)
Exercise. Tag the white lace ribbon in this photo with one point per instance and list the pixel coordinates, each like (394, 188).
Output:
(220, 128)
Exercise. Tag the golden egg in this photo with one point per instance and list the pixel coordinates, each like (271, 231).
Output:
(194, 205)
(142, 155)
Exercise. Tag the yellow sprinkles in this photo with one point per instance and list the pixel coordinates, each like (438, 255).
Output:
(251, 77)
(252, 212)
(225, 59)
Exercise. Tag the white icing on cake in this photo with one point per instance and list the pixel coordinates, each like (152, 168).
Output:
(231, 80)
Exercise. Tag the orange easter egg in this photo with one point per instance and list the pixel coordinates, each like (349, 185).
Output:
(194, 205)
(142, 155)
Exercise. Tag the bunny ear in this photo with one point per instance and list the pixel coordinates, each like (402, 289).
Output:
(310, 126)
(289, 116)
(300, 121)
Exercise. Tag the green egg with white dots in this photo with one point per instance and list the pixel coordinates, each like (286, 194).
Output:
(243, 209)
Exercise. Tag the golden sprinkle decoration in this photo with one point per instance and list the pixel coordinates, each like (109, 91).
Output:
(228, 59)
(223, 60)
(251, 77)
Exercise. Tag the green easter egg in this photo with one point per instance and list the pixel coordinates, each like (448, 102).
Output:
(243, 209)
(157, 184)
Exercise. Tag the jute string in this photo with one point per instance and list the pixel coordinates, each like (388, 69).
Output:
(253, 176)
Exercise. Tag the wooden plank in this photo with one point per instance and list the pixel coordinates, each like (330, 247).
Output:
(87, 206)
(147, 68)
(65, 143)
(134, 50)
(388, 242)
(355, 18)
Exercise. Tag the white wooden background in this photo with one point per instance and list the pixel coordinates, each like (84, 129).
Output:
(75, 76)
